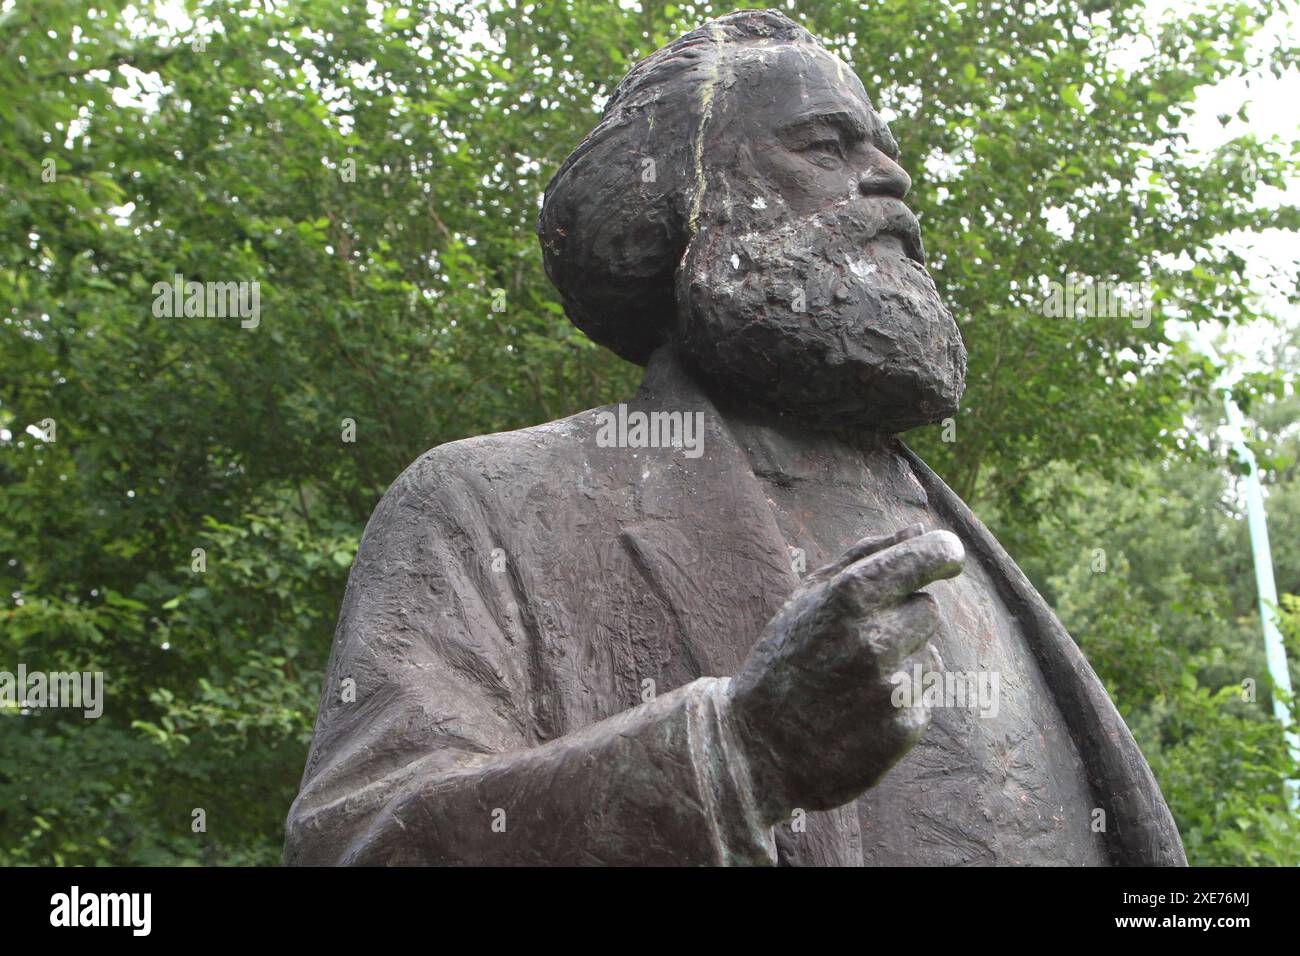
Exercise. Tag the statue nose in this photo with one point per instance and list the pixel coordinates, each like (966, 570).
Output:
(884, 178)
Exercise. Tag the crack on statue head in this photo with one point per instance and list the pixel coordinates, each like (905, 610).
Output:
(741, 200)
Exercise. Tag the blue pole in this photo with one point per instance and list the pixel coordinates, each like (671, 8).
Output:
(1266, 587)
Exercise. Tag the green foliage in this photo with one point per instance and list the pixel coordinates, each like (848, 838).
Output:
(377, 168)
(1156, 583)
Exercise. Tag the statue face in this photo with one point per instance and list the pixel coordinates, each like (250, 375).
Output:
(804, 287)
(814, 138)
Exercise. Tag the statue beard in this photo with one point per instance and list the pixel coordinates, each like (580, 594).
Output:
(829, 318)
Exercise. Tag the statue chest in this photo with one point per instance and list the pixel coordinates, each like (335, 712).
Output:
(997, 778)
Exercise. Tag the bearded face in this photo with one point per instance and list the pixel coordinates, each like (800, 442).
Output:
(804, 287)
(830, 317)
(742, 202)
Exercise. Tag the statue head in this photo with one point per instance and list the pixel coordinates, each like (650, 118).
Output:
(742, 201)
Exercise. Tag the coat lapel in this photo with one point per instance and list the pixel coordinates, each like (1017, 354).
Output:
(704, 537)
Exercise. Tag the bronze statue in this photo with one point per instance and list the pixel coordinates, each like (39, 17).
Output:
(690, 628)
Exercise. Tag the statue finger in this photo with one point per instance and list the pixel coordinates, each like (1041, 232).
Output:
(890, 575)
(864, 548)
(897, 634)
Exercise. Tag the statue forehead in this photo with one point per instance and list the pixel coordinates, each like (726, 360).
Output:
(779, 77)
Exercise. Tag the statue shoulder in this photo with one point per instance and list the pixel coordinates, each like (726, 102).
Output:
(498, 465)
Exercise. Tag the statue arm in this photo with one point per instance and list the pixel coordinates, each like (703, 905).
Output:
(431, 761)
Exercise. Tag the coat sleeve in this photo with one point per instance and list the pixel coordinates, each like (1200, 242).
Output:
(423, 752)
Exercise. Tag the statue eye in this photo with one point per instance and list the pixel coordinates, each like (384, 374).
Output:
(827, 145)
(827, 152)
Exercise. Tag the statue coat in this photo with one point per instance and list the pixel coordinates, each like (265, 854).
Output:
(531, 663)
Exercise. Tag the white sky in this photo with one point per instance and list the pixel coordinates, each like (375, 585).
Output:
(1273, 106)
